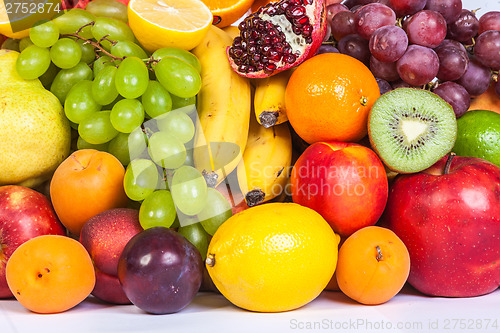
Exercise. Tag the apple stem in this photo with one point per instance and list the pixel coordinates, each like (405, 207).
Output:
(210, 261)
(448, 163)
(379, 256)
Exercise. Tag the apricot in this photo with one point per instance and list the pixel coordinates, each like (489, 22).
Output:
(486, 101)
(373, 265)
(87, 183)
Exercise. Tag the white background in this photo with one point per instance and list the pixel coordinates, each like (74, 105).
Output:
(331, 312)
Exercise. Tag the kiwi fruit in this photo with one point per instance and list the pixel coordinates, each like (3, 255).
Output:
(411, 129)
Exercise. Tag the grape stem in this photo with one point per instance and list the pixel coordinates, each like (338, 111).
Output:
(96, 45)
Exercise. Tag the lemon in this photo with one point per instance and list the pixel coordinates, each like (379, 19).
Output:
(5, 26)
(478, 135)
(169, 23)
(273, 257)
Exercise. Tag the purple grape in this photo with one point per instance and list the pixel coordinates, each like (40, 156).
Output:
(452, 63)
(455, 95)
(343, 24)
(451, 43)
(418, 66)
(388, 43)
(355, 46)
(426, 28)
(383, 86)
(328, 32)
(366, 2)
(327, 48)
(355, 8)
(400, 84)
(497, 88)
(407, 7)
(489, 21)
(332, 10)
(384, 70)
(160, 270)
(476, 78)
(465, 27)
(487, 49)
(350, 3)
(373, 16)
(450, 9)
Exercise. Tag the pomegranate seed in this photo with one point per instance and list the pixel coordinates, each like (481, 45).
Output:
(309, 40)
(250, 69)
(254, 34)
(260, 66)
(265, 60)
(267, 40)
(256, 57)
(295, 2)
(237, 42)
(289, 58)
(237, 52)
(296, 29)
(252, 49)
(269, 26)
(276, 40)
(303, 20)
(275, 56)
(265, 50)
(295, 11)
(279, 47)
(242, 25)
(243, 68)
(307, 30)
(269, 68)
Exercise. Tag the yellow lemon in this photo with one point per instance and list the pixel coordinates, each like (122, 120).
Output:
(169, 23)
(273, 257)
(5, 27)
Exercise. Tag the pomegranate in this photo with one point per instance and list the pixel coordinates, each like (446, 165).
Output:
(278, 36)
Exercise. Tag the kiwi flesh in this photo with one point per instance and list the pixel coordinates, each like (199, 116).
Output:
(411, 129)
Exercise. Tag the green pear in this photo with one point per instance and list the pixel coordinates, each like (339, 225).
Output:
(35, 135)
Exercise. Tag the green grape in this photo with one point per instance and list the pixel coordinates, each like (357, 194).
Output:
(88, 52)
(186, 105)
(67, 78)
(156, 100)
(71, 21)
(24, 43)
(157, 210)
(189, 157)
(118, 147)
(110, 105)
(65, 53)
(82, 144)
(44, 33)
(73, 125)
(178, 53)
(215, 212)
(197, 236)
(11, 44)
(137, 143)
(132, 77)
(140, 179)
(102, 62)
(115, 30)
(178, 124)
(108, 8)
(48, 77)
(178, 77)
(103, 86)
(33, 62)
(125, 48)
(127, 115)
(79, 103)
(189, 190)
(166, 150)
(97, 128)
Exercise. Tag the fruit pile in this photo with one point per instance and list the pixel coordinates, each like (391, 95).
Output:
(312, 146)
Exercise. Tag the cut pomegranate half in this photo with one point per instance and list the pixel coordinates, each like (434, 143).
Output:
(278, 36)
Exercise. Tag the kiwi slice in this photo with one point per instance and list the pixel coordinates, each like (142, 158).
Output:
(411, 129)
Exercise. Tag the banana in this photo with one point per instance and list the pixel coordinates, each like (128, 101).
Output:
(269, 99)
(264, 171)
(224, 108)
(232, 31)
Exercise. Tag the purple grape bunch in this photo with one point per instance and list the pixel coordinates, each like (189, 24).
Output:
(432, 44)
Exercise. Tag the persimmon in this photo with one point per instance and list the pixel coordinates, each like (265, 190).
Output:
(50, 273)
(373, 265)
(87, 183)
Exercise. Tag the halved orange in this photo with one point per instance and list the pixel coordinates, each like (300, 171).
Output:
(169, 23)
(226, 12)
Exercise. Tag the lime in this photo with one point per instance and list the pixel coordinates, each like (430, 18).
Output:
(478, 135)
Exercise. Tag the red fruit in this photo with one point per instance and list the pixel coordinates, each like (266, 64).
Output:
(278, 36)
(450, 223)
(345, 182)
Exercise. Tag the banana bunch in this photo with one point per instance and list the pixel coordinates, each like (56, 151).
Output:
(269, 99)
(264, 171)
(224, 108)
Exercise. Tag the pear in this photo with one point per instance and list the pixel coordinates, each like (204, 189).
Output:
(35, 135)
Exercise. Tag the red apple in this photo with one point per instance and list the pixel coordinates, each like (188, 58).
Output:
(24, 214)
(448, 216)
(345, 182)
(104, 236)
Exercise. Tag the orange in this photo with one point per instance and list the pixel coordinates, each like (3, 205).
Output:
(169, 23)
(260, 3)
(329, 96)
(226, 12)
(486, 101)
(373, 265)
(50, 273)
(87, 183)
